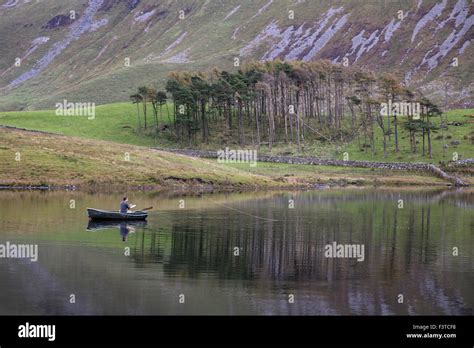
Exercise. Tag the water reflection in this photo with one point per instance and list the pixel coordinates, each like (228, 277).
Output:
(244, 253)
(408, 250)
(125, 227)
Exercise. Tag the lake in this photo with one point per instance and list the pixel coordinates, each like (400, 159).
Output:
(252, 253)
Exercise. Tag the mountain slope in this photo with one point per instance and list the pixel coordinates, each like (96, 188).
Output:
(107, 48)
(47, 159)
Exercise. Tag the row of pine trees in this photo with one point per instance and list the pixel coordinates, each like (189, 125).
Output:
(266, 103)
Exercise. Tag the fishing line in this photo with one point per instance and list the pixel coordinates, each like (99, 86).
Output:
(240, 211)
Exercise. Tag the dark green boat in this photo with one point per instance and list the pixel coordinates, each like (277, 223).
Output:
(97, 214)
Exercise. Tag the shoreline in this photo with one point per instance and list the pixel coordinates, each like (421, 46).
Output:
(172, 192)
(200, 189)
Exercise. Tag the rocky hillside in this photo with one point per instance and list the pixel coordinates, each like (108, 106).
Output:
(101, 50)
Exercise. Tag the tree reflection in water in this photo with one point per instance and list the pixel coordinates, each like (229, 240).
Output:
(407, 251)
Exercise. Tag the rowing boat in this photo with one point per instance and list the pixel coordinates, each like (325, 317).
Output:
(97, 214)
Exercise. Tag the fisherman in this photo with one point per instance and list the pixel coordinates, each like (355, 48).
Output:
(124, 206)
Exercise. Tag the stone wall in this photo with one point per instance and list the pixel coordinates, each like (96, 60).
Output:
(421, 167)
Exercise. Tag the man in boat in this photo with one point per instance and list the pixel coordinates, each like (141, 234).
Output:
(124, 206)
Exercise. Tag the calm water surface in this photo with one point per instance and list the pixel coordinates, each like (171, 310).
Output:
(191, 251)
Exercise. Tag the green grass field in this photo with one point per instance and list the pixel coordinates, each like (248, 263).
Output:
(118, 123)
(463, 133)
(112, 122)
(53, 160)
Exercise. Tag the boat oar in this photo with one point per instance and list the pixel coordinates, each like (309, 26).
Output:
(145, 209)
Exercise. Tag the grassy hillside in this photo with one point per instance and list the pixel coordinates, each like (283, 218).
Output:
(52, 160)
(56, 160)
(118, 123)
(460, 129)
(112, 122)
